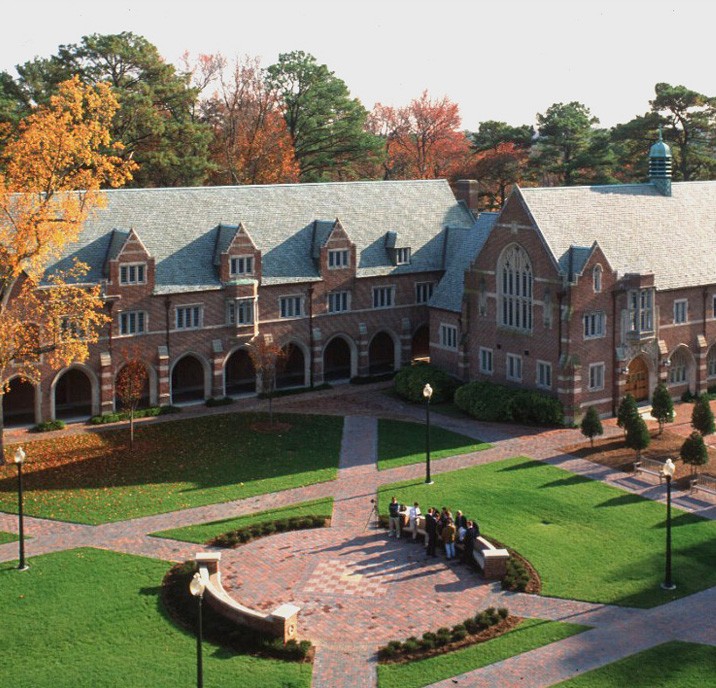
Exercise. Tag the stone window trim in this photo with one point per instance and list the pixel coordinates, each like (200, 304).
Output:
(402, 256)
(132, 273)
(132, 323)
(681, 311)
(448, 336)
(339, 258)
(291, 306)
(241, 311)
(241, 265)
(423, 291)
(640, 309)
(338, 301)
(486, 361)
(543, 375)
(594, 325)
(513, 367)
(597, 274)
(515, 287)
(189, 316)
(679, 368)
(711, 362)
(596, 376)
(384, 296)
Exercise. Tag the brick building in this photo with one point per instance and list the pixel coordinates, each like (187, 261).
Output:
(338, 274)
(587, 292)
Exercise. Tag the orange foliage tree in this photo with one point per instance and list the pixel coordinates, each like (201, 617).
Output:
(268, 358)
(51, 171)
(422, 140)
(131, 383)
(498, 169)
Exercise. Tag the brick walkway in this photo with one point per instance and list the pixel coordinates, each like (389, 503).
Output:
(357, 589)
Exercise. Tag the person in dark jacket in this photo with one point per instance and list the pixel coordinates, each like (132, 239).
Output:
(431, 531)
(471, 533)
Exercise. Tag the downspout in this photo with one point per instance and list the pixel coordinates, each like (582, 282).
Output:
(615, 361)
(167, 308)
(310, 335)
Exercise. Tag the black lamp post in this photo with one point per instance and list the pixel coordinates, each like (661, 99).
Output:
(668, 473)
(427, 393)
(196, 587)
(19, 460)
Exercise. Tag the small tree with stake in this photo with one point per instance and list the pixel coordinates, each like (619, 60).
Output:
(591, 425)
(130, 384)
(637, 434)
(627, 409)
(268, 358)
(694, 452)
(662, 407)
(702, 417)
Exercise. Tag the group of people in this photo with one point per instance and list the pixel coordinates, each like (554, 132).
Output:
(438, 525)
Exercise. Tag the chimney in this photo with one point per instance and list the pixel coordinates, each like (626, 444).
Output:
(466, 190)
(660, 166)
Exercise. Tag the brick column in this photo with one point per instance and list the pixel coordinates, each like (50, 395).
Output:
(318, 371)
(163, 396)
(106, 391)
(406, 343)
(701, 364)
(363, 359)
(217, 368)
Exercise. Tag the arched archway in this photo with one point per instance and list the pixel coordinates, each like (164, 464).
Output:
(338, 359)
(293, 368)
(144, 399)
(420, 344)
(18, 406)
(74, 396)
(381, 354)
(637, 382)
(239, 373)
(189, 380)
(682, 368)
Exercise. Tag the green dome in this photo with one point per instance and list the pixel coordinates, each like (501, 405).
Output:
(660, 149)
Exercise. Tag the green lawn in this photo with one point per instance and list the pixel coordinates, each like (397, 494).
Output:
(86, 618)
(206, 531)
(671, 665)
(7, 537)
(589, 541)
(94, 478)
(401, 443)
(531, 633)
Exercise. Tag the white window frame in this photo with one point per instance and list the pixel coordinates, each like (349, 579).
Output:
(486, 361)
(597, 373)
(383, 297)
(339, 258)
(448, 336)
(127, 327)
(196, 317)
(132, 273)
(543, 374)
(290, 306)
(515, 285)
(424, 291)
(402, 256)
(681, 311)
(513, 367)
(679, 369)
(342, 299)
(236, 311)
(241, 265)
(594, 325)
(641, 310)
(597, 274)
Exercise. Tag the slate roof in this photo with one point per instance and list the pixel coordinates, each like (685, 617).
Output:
(179, 227)
(638, 229)
(463, 246)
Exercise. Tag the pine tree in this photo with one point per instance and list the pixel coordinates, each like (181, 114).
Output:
(591, 424)
(694, 452)
(637, 434)
(662, 407)
(627, 409)
(702, 417)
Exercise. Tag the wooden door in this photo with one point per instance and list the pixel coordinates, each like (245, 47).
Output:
(637, 383)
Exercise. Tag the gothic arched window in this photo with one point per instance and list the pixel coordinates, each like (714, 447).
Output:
(515, 279)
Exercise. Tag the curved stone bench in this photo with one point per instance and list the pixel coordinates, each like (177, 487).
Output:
(281, 622)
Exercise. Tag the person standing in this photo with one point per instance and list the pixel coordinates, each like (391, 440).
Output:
(394, 518)
(431, 531)
(469, 543)
(413, 514)
(448, 538)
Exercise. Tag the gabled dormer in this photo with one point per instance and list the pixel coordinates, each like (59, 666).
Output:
(236, 255)
(128, 264)
(332, 249)
(398, 252)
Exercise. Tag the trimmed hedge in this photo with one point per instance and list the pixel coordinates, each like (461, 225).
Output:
(48, 426)
(410, 381)
(117, 416)
(234, 538)
(491, 402)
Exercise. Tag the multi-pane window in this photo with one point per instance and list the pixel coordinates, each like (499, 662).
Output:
(594, 324)
(242, 265)
(596, 376)
(514, 367)
(240, 312)
(132, 322)
(680, 310)
(515, 279)
(383, 297)
(70, 329)
(188, 317)
(679, 368)
(486, 361)
(338, 301)
(714, 306)
(338, 258)
(132, 273)
(641, 311)
(423, 291)
(597, 278)
(544, 374)
(711, 362)
(291, 306)
(448, 336)
(402, 256)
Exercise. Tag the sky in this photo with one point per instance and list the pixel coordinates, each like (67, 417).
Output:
(503, 60)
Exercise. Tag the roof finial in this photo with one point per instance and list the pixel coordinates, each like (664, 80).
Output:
(660, 136)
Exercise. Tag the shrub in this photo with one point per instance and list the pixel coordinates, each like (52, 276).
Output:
(472, 625)
(627, 409)
(411, 644)
(693, 451)
(410, 381)
(503, 612)
(49, 425)
(516, 578)
(442, 636)
(702, 417)
(662, 407)
(637, 434)
(459, 632)
(591, 425)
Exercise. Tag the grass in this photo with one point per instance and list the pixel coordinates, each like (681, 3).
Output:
(86, 617)
(94, 478)
(204, 532)
(530, 634)
(671, 665)
(588, 541)
(7, 537)
(401, 443)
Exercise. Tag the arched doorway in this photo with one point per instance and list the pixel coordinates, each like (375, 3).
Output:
(188, 380)
(420, 349)
(381, 354)
(293, 368)
(239, 373)
(144, 399)
(337, 360)
(18, 406)
(73, 395)
(637, 381)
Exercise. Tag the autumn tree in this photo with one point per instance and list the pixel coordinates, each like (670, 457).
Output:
(130, 385)
(268, 358)
(422, 140)
(53, 167)
(251, 142)
(326, 125)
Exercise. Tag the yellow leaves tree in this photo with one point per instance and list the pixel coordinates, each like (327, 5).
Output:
(52, 170)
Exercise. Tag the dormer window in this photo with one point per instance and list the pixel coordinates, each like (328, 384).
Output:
(338, 258)
(402, 256)
(242, 265)
(133, 273)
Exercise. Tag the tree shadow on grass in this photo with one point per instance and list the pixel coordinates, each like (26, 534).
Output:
(622, 500)
(523, 465)
(567, 482)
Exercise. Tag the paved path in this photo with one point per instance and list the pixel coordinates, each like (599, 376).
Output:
(351, 576)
